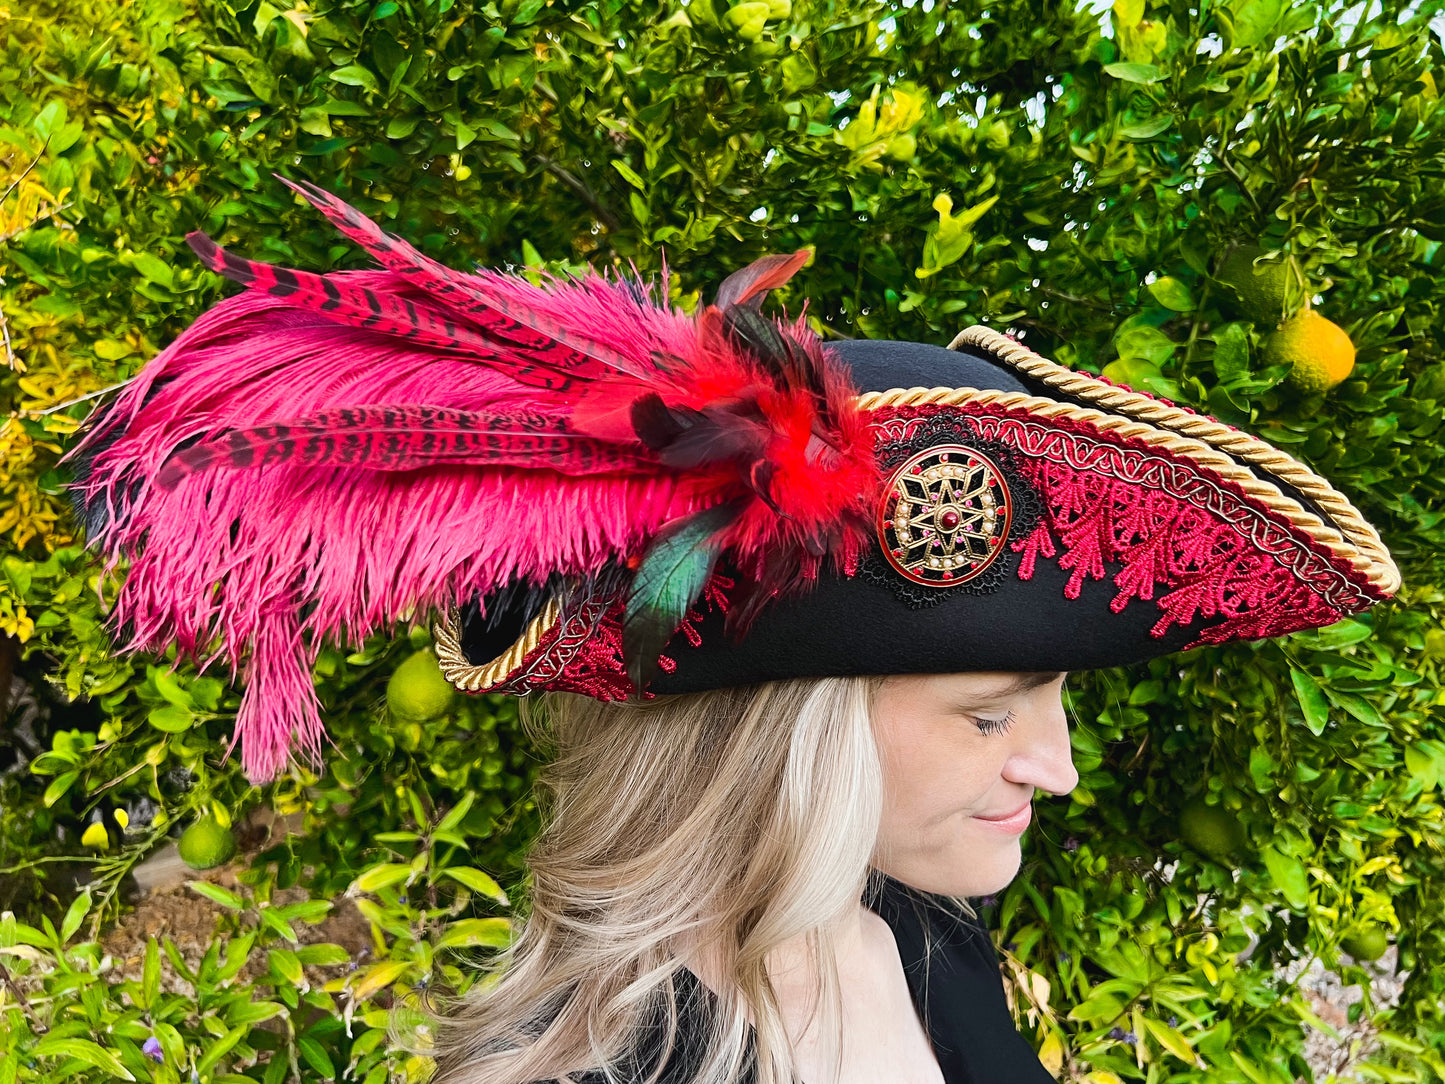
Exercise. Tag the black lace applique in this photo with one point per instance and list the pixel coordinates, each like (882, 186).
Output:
(1027, 510)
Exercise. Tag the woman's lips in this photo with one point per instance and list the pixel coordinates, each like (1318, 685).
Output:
(1011, 823)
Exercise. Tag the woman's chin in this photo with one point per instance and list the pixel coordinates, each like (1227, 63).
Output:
(970, 871)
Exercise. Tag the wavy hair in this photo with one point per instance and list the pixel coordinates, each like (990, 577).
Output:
(711, 827)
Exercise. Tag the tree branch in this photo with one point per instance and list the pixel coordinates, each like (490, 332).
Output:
(602, 211)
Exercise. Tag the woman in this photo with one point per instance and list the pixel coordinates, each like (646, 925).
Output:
(705, 842)
(804, 612)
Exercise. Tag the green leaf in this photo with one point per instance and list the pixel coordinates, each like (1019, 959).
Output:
(1289, 876)
(477, 881)
(316, 121)
(1252, 21)
(58, 786)
(1172, 1041)
(285, 963)
(92, 1054)
(253, 1012)
(630, 174)
(401, 127)
(266, 14)
(1357, 706)
(154, 269)
(170, 687)
(217, 894)
(221, 1047)
(75, 915)
(322, 955)
(380, 877)
(354, 75)
(1312, 701)
(1172, 294)
(312, 1051)
(1231, 351)
(1146, 342)
(458, 812)
(1146, 129)
(378, 976)
(1425, 761)
(1135, 73)
(477, 933)
(171, 719)
(150, 983)
(278, 925)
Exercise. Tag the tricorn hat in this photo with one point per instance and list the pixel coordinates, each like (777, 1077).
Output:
(603, 494)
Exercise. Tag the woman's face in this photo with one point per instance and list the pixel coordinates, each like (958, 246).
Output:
(962, 756)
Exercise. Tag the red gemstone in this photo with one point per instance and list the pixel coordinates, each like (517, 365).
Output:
(948, 575)
(949, 520)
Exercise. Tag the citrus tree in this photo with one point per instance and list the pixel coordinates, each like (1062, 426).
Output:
(1233, 205)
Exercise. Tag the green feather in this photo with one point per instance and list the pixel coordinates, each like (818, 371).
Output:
(669, 581)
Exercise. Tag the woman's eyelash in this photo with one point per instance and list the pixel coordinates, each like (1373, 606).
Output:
(993, 726)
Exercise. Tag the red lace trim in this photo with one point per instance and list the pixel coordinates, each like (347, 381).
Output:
(1204, 546)
(583, 652)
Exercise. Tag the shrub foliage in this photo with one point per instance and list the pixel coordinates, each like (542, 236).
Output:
(1077, 176)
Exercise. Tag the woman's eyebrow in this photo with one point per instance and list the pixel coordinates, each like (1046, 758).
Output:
(1022, 683)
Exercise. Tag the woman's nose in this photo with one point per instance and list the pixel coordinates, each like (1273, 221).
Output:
(1046, 758)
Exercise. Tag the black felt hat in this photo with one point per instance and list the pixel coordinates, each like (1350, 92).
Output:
(1120, 527)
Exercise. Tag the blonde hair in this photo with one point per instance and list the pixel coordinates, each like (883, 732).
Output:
(723, 824)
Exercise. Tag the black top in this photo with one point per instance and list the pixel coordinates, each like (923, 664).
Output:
(953, 977)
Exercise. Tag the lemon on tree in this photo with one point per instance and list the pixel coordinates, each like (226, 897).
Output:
(1367, 942)
(1318, 352)
(1210, 829)
(417, 692)
(206, 843)
(1268, 290)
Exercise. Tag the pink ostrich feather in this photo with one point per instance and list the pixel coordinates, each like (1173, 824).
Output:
(323, 456)
(225, 562)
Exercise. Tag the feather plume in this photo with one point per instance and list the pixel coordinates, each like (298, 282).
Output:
(324, 455)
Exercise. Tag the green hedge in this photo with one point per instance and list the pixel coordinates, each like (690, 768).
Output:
(1073, 175)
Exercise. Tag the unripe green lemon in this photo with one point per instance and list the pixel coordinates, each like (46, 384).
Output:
(417, 691)
(1210, 829)
(1269, 291)
(748, 19)
(1365, 943)
(1318, 352)
(205, 844)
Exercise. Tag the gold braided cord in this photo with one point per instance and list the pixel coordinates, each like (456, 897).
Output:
(1226, 467)
(472, 678)
(1379, 567)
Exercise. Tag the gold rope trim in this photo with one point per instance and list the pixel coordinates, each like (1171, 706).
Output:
(1323, 534)
(1366, 551)
(472, 678)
